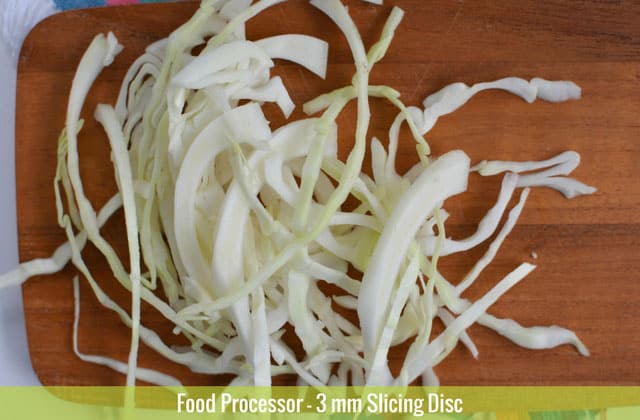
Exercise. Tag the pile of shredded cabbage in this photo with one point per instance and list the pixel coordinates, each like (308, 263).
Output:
(237, 224)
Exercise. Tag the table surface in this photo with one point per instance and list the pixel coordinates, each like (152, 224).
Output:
(587, 247)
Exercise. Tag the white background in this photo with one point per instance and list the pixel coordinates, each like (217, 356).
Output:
(15, 365)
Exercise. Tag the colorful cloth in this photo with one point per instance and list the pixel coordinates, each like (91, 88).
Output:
(77, 4)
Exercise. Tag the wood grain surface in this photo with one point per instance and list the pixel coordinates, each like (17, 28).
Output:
(588, 248)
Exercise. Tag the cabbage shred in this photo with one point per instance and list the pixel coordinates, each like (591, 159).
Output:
(237, 223)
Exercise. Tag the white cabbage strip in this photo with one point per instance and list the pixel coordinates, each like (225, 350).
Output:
(239, 222)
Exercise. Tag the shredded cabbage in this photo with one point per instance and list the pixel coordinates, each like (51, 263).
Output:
(240, 224)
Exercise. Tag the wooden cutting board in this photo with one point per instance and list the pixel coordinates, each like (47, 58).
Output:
(588, 248)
